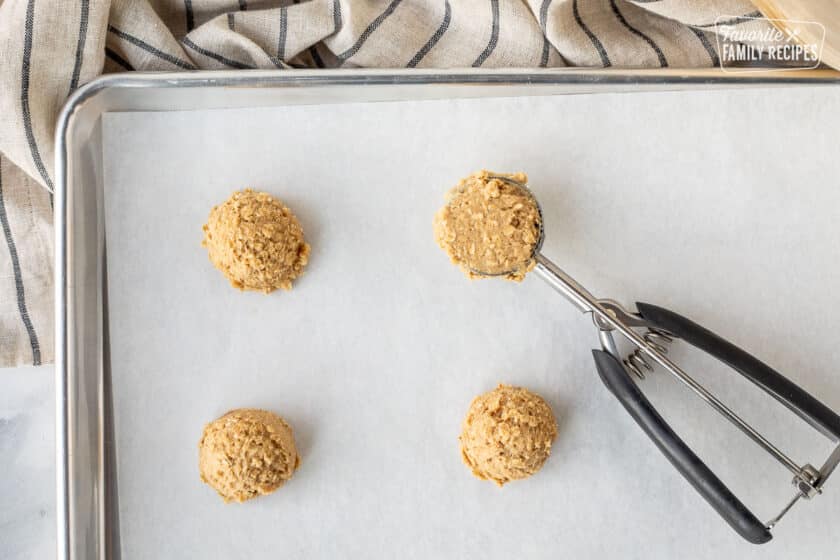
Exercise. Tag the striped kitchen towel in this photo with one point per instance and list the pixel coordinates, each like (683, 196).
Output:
(48, 48)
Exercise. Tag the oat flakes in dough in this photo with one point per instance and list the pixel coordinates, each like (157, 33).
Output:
(507, 434)
(247, 453)
(256, 241)
(490, 226)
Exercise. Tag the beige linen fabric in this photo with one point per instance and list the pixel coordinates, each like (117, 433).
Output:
(48, 48)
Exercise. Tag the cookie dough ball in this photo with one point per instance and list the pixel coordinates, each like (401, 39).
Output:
(256, 241)
(507, 434)
(247, 453)
(490, 227)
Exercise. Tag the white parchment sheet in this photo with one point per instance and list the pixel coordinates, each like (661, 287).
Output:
(722, 206)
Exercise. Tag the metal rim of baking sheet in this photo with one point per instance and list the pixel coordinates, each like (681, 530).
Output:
(87, 526)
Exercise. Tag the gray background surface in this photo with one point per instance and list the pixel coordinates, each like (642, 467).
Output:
(720, 205)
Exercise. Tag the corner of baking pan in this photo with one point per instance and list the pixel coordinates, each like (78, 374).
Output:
(63, 127)
(63, 142)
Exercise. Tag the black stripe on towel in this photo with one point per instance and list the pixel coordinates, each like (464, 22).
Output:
(231, 22)
(21, 296)
(374, 25)
(29, 26)
(707, 45)
(190, 17)
(663, 62)
(602, 52)
(546, 43)
(150, 49)
(424, 50)
(216, 56)
(281, 39)
(80, 45)
(494, 35)
(118, 59)
(544, 28)
(336, 15)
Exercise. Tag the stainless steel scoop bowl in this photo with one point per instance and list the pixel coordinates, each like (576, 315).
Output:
(540, 235)
(549, 271)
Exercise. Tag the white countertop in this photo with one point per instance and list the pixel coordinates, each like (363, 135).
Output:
(27, 461)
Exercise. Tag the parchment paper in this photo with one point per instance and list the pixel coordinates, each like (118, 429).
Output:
(720, 205)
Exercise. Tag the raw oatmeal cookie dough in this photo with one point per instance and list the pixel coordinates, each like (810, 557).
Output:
(490, 226)
(256, 241)
(507, 434)
(247, 453)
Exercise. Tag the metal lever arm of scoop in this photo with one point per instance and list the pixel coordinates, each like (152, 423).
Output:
(606, 320)
(715, 492)
(781, 388)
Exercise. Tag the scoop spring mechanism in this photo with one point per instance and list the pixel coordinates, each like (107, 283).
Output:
(637, 362)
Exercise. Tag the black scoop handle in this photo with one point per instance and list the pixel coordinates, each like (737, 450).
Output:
(715, 492)
(781, 388)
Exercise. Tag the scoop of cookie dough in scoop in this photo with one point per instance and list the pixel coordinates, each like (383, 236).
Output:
(256, 242)
(507, 434)
(247, 453)
(489, 226)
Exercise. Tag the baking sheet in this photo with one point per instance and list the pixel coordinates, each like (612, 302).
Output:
(720, 205)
